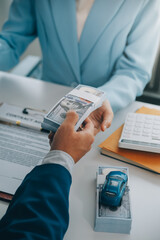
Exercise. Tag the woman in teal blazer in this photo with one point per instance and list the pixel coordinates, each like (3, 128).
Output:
(116, 50)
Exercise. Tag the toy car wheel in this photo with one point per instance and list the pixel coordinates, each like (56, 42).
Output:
(112, 208)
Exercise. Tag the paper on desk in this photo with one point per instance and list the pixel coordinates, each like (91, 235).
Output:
(21, 149)
(14, 114)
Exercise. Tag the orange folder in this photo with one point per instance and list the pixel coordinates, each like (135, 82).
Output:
(146, 160)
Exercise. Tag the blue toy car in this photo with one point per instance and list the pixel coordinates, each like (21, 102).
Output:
(113, 189)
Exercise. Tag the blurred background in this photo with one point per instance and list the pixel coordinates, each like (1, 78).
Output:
(151, 93)
(34, 48)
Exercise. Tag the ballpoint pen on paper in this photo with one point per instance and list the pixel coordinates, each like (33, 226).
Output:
(14, 114)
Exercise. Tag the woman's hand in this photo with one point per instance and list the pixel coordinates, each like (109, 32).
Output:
(102, 117)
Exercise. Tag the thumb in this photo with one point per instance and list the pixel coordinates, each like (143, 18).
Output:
(107, 115)
(71, 118)
(89, 127)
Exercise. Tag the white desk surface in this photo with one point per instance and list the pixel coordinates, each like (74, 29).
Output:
(144, 185)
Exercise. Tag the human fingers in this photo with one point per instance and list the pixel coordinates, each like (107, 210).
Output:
(88, 126)
(107, 115)
(50, 137)
(71, 118)
(87, 134)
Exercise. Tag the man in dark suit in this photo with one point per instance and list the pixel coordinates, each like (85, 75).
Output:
(39, 209)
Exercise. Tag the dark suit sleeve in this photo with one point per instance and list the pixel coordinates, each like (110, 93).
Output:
(39, 209)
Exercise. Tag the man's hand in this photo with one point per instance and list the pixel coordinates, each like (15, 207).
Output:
(76, 144)
(102, 117)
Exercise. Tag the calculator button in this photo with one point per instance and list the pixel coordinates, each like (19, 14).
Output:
(137, 130)
(127, 136)
(156, 127)
(156, 132)
(128, 128)
(146, 125)
(138, 124)
(140, 120)
(148, 121)
(146, 130)
(145, 135)
(136, 134)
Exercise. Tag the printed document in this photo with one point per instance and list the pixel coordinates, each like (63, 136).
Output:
(21, 149)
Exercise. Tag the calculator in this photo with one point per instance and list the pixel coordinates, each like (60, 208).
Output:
(141, 132)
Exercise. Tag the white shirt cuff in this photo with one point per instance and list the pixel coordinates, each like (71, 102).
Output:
(61, 158)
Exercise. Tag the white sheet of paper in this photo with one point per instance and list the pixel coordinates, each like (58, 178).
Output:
(21, 149)
(14, 114)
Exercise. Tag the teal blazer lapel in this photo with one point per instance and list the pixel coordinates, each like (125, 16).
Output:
(64, 15)
(100, 16)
